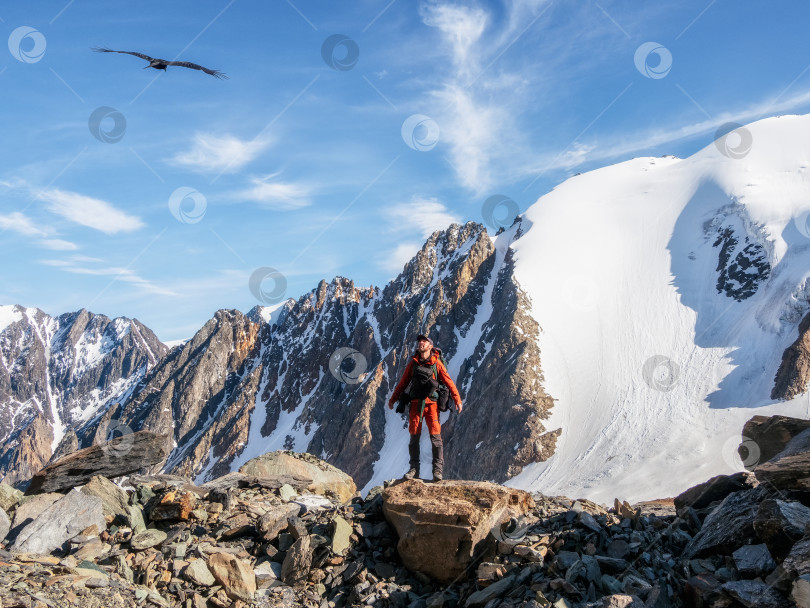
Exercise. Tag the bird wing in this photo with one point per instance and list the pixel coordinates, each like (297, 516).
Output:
(106, 50)
(194, 66)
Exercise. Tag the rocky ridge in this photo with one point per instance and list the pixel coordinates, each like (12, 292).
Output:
(56, 373)
(242, 540)
(241, 385)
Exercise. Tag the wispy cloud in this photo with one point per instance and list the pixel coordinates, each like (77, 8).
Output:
(91, 212)
(221, 153)
(80, 265)
(462, 27)
(426, 215)
(21, 224)
(58, 245)
(394, 261)
(277, 194)
(421, 215)
(477, 104)
(645, 141)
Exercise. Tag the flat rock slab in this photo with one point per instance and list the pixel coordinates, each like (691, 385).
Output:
(240, 480)
(60, 522)
(756, 594)
(441, 525)
(120, 456)
(235, 575)
(753, 560)
(320, 476)
(197, 572)
(147, 539)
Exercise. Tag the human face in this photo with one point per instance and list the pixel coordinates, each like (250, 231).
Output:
(423, 346)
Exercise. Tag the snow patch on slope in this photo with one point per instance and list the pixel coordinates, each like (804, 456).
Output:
(654, 368)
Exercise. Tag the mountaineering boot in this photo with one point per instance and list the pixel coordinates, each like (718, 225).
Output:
(413, 453)
(438, 456)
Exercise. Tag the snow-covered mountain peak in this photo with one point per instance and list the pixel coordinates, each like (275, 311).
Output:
(696, 270)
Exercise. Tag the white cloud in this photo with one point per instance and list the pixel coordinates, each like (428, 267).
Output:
(220, 153)
(117, 273)
(423, 214)
(473, 131)
(277, 195)
(91, 212)
(58, 245)
(395, 261)
(644, 141)
(462, 27)
(480, 102)
(17, 222)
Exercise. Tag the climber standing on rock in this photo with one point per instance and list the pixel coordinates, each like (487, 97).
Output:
(421, 385)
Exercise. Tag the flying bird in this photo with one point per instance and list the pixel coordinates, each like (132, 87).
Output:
(161, 64)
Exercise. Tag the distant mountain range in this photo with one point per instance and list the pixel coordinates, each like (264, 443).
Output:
(611, 342)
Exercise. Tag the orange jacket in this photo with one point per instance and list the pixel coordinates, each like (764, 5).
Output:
(441, 370)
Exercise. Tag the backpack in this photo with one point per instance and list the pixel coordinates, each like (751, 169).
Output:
(425, 383)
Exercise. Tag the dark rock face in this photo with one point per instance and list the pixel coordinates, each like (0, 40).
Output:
(790, 468)
(717, 488)
(793, 374)
(120, 456)
(728, 526)
(780, 524)
(765, 436)
(741, 266)
(56, 372)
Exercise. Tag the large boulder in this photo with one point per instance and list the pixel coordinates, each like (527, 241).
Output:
(120, 456)
(9, 497)
(29, 509)
(729, 526)
(765, 436)
(790, 468)
(442, 525)
(319, 476)
(235, 575)
(60, 522)
(780, 524)
(715, 489)
(5, 525)
(113, 499)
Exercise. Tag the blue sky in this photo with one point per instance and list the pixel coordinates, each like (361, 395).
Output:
(343, 136)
